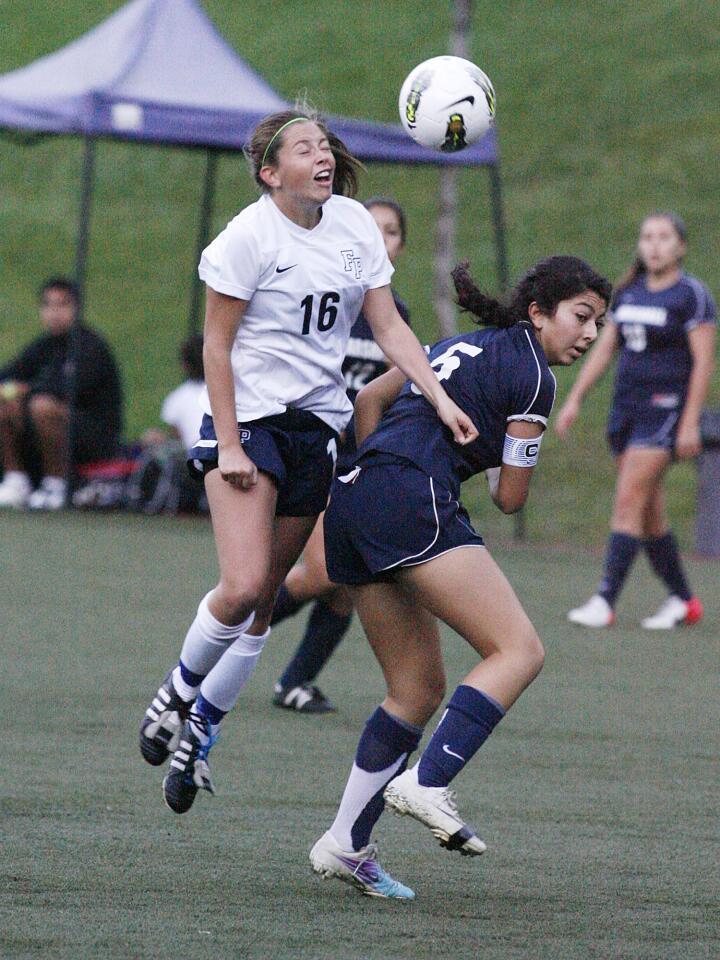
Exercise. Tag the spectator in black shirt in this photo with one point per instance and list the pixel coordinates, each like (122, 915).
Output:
(36, 419)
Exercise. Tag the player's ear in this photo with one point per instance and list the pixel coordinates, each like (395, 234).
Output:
(536, 316)
(270, 177)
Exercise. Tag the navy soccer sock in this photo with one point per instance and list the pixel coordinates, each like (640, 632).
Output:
(285, 606)
(620, 554)
(324, 631)
(664, 558)
(468, 721)
(382, 754)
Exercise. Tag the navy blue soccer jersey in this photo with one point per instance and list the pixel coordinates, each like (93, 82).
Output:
(495, 376)
(364, 360)
(655, 356)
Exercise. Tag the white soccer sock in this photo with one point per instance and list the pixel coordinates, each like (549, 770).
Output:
(222, 686)
(359, 790)
(205, 643)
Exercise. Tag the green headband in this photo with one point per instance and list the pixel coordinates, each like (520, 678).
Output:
(279, 131)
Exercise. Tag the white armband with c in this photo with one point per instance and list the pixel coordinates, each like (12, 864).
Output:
(521, 452)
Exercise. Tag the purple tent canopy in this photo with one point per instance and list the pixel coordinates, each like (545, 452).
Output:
(158, 71)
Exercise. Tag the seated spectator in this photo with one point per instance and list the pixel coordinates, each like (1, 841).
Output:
(39, 427)
(161, 482)
(181, 409)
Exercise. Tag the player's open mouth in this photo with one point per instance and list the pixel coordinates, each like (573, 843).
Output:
(323, 177)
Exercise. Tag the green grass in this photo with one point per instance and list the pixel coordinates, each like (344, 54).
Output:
(605, 113)
(597, 795)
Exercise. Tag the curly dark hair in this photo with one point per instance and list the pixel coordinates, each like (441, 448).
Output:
(547, 283)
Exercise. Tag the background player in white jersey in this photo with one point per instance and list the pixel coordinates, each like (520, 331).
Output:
(285, 281)
(663, 324)
(332, 611)
(396, 532)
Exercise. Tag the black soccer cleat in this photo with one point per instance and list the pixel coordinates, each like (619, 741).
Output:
(162, 723)
(189, 771)
(304, 698)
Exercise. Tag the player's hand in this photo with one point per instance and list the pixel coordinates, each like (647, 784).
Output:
(237, 469)
(688, 443)
(463, 429)
(567, 415)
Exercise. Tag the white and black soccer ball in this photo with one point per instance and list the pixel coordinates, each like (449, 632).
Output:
(447, 103)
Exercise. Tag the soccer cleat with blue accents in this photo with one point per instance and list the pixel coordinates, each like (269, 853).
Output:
(436, 808)
(360, 868)
(162, 723)
(189, 771)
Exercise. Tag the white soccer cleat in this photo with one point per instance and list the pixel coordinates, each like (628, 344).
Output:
(674, 612)
(50, 495)
(436, 808)
(359, 868)
(15, 490)
(597, 612)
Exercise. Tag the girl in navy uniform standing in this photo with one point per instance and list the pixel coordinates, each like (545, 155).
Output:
(397, 534)
(663, 324)
(286, 280)
(331, 613)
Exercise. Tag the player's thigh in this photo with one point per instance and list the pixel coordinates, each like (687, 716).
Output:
(639, 474)
(316, 578)
(243, 524)
(467, 590)
(406, 641)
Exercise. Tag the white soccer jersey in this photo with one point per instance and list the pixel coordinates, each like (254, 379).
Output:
(304, 290)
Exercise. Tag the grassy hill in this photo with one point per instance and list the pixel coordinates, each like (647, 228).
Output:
(605, 112)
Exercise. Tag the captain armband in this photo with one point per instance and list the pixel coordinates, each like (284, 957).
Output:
(520, 452)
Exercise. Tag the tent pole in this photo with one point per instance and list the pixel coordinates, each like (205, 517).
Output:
(498, 218)
(79, 273)
(83, 235)
(206, 209)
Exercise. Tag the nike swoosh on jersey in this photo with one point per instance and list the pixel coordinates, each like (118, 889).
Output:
(447, 749)
(283, 269)
(470, 100)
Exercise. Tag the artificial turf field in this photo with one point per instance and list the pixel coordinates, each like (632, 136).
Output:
(597, 795)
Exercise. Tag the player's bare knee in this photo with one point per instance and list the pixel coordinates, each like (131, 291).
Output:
(534, 654)
(43, 407)
(237, 600)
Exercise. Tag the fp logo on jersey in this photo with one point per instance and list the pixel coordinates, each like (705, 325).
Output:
(351, 263)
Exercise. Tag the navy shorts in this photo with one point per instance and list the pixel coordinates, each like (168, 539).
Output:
(642, 425)
(296, 448)
(386, 513)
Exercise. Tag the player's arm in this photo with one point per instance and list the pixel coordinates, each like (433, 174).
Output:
(590, 372)
(402, 347)
(223, 315)
(701, 340)
(374, 399)
(510, 483)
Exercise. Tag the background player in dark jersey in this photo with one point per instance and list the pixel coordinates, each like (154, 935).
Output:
(331, 614)
(396, 531)
(663, 324)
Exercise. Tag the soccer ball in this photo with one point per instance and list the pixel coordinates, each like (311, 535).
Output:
(447, 103)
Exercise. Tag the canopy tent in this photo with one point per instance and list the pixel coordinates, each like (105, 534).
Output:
(157, 71)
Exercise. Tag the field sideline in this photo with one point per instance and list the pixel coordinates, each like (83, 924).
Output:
(595, 796)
